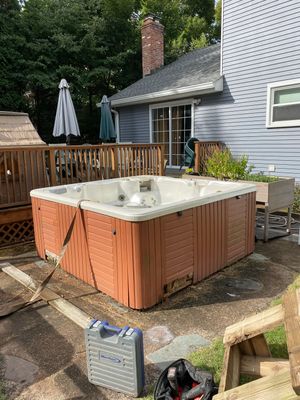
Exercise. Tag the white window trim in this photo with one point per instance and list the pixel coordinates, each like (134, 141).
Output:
(190, 102)
(290, 84)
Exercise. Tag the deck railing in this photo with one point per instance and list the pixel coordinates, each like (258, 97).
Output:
(203, 151)
(25, 168)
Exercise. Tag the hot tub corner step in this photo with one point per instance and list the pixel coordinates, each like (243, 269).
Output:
(180, 347)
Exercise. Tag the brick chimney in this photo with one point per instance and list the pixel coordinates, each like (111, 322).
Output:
(152, 44)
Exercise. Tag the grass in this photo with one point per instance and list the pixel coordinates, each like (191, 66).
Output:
(2, 392)
(293, 286)
(211, 358)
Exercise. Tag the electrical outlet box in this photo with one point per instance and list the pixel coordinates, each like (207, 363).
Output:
(271, 168)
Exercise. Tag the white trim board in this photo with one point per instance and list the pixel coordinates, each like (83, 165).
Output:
(222, 36)
(172, 94)
(292, 83)
(169, 105)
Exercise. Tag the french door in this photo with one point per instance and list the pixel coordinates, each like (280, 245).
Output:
(172, 126)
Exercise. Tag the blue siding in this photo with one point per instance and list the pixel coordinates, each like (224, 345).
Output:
(260, 46)
(134, 124)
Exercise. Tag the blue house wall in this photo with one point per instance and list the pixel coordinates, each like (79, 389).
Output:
(134, 124)
(260, 45)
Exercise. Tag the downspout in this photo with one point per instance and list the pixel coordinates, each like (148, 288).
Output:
(117, 123)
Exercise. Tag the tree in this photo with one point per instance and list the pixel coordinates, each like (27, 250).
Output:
(12, 79)
(218, 20)
(92, 44)
(188, 24)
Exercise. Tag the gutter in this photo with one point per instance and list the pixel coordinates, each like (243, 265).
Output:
(172, 94)
(117, 123)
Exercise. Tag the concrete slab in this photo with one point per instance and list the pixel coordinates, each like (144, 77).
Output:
(180, 347)
(292, 238)
(258, 257)
(19, 370)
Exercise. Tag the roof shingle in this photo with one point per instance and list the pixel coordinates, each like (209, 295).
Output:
(196, 67)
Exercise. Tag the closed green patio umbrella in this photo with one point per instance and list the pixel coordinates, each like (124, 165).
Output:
(107, 129)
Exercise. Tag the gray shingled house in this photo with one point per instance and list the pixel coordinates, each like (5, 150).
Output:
(244, 92)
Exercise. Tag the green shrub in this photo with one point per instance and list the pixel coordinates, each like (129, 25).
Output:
(261, 178)
(222, 165)
(296, 204)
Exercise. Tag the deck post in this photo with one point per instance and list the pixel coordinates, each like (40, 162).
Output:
(197, 157)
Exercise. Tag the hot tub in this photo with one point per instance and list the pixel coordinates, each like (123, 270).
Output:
(139, 239)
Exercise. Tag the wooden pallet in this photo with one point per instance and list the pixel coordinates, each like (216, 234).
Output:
(247, 353)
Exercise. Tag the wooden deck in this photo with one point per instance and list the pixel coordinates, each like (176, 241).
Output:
(25, 168)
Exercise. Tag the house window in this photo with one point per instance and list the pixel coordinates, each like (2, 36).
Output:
(172, 126)
(283, 104)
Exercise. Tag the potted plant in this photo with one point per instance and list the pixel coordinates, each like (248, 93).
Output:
(272, 192)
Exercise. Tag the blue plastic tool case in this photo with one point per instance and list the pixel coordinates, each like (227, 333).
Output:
(115, 357)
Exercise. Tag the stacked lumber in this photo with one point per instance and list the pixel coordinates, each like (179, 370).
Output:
(247, 353)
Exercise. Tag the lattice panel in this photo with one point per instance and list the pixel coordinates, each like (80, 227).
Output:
(16, 232)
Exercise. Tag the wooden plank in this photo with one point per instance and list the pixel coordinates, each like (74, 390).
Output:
(20, 172)
(15, 214)
(263, 366)
(257, 346)
(146, 160)
(26, 174)
(260, 346)
(230, 377)
(66, 308)
(44, 170)
(70, 163)
(7, 189)
(13, 172)
(32, 171)
(81, 165)
(246, 348)
(140, 160)
(52, 167)
(86, 166)
(291, 305)
(268, 388)
(37, 162)
(254, 325)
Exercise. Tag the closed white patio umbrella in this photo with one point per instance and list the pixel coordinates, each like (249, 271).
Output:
(65, 118)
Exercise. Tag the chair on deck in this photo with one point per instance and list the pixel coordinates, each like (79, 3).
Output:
(189, 154)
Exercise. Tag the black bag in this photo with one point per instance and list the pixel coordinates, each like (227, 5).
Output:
(182, 381)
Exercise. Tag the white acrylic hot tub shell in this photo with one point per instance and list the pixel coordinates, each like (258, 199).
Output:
(171, 194)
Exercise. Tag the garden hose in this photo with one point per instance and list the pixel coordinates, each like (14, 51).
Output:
(276, 221)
